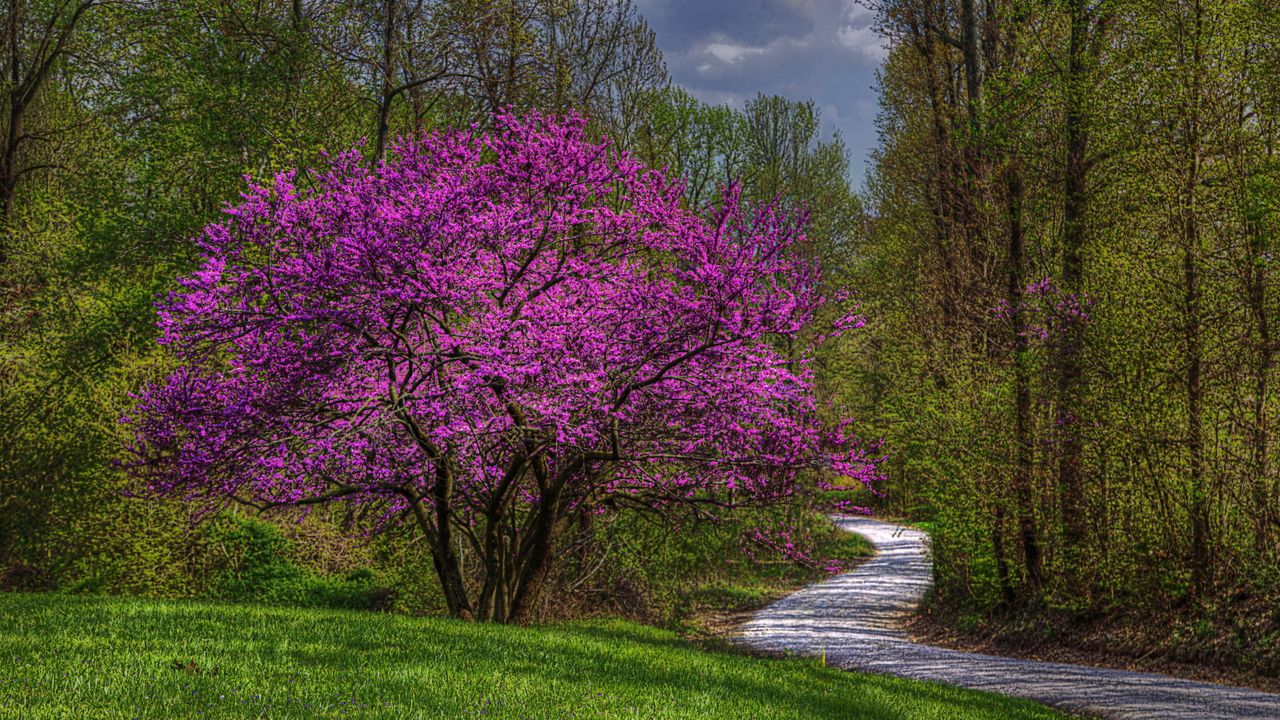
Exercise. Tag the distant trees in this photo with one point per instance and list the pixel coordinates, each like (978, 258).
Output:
(36, 38)
(1117, 151)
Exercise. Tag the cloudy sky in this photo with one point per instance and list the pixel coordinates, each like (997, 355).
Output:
(729, 50)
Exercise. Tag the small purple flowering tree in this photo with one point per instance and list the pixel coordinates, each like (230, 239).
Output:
(486, 336)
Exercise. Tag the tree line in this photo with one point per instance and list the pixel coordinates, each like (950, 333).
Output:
(1070, 267)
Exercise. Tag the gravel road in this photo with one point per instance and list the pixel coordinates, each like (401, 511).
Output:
(855, 618)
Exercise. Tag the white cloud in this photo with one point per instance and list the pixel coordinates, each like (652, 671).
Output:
(859, 34)
(864, 40)
(731, 53)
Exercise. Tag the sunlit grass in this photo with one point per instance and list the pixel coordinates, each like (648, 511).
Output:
(81, 657)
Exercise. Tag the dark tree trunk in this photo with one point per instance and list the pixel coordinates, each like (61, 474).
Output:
(971, 47)
(1022, 470)
(1256, 279)
(1262, 494)
(439, 533)
(1200, 563)
(13, 124)
(9, 167)
(1075, 231)
(943, 200)
(387, 97)
(534, 561)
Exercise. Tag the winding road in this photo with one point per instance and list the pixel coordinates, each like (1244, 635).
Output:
(855, 619)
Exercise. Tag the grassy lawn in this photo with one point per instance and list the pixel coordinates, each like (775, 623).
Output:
(84, 657)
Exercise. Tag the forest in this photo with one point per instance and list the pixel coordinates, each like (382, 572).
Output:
(1069, 248)
(1064, 251)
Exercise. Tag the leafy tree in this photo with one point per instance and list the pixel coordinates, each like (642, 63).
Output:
(35, 39)
(492, 334)
(699, 143)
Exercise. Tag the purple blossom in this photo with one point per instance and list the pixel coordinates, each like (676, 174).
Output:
(486, 325)
(1047, 312)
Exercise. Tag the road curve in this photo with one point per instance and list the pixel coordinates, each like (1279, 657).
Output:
(855, 618)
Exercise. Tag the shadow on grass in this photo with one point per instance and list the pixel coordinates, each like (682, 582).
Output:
(458, 669)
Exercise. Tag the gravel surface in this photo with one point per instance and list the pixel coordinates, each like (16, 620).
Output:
(856, 620)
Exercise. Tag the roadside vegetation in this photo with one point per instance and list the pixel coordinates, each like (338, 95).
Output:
(1071, 281)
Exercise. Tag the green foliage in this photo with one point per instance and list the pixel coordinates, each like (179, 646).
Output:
(663, 572)
(81, 657)
(255, 567)
(147, 128)
(149, 141)
(1127, 154)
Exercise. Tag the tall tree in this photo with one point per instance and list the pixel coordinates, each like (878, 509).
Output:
(37, 35)
(1085, 40)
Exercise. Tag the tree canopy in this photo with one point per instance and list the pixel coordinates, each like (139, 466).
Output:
(493, 333)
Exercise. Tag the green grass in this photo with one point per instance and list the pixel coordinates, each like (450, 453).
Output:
(90, 657)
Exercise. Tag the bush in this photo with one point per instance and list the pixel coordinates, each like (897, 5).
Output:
(656, 570)
(256, 568)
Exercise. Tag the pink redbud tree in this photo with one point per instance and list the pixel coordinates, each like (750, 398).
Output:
(486, 336)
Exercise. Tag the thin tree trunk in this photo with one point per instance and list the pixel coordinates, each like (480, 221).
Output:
(439, 531)
(1022, 472)
(1199, 501)
(971, 42)
(1256, 287)
(1070, 372)
(1265, 510)
(13, 125)
(387, 97)
(9, 166)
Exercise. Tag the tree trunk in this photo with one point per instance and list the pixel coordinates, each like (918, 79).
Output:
(534, 560)
(971, 42)
(9, 169)
(1257, 277)
(1195, 420)
(13, 125)
(1262, 496)
(387, 97)
(1070, 372)
(1199, 502)
(942, 201)
(444, 554)
(1022, 471)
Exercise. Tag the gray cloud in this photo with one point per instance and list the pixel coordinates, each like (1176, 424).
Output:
(725, 51)
(751, 21)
